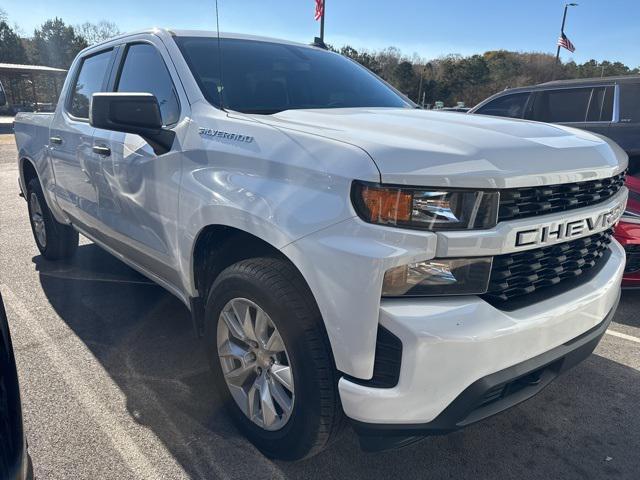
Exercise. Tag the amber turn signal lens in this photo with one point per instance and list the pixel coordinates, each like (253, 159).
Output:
(425, 208)
(387, 205)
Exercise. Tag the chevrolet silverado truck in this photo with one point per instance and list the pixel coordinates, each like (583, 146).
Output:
(344, 255)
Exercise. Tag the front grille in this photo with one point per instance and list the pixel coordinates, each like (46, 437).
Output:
(633, 258)
(523, 273)
(534, 201)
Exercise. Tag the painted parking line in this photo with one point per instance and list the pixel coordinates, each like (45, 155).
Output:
(92, 401)
(623, 335)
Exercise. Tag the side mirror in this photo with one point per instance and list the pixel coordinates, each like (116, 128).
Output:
(3, 96)
(137, 113)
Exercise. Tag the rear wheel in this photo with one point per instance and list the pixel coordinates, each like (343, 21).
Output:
(271, 359)
(54, 239)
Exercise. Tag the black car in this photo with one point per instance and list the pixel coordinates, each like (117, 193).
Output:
(609, 106)
(14, 460)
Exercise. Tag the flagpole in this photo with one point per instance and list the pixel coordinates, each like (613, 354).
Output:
(564, 19)
(324, 6)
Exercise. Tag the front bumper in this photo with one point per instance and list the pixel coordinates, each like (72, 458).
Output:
(456, 350)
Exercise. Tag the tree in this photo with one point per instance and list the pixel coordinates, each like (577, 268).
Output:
(11, 48)
(97, 32)
(56, 44)
(405, 79)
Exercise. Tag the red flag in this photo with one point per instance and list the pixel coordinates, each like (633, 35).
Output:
(319, 9)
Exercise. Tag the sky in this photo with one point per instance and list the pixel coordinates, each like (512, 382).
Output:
(600, 29)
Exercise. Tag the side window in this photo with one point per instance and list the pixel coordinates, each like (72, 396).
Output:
(144, 71)
(89, 81)
(507, 106)
(630, 103)
(565, 105)
(601, 105)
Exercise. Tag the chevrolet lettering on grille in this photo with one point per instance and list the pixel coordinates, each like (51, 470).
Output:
(555, 232)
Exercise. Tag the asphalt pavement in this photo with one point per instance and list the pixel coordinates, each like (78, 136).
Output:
(115, 386)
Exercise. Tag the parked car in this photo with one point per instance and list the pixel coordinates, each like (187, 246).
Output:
(607, 106)
(333, 243)
(628, 234)
(454, 109)
(15, 463)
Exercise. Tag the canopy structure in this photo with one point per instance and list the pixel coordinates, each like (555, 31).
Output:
(31, 87)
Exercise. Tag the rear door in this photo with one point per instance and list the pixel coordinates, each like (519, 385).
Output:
(76, 167)
(567, 106)
(139, 197)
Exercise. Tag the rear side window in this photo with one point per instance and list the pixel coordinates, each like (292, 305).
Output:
(630, 103)
(601, 105)
(507, 106)
(566, 105)
(144, 71)
(89, 81)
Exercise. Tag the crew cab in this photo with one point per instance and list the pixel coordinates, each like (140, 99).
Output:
(342, 252)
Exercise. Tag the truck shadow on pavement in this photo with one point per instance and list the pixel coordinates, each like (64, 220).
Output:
(585, 425)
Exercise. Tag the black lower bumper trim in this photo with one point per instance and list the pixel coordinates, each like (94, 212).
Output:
(489, 395)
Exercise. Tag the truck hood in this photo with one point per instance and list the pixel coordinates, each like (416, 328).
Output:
(419, 147)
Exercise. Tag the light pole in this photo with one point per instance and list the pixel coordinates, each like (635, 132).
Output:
(564, 19)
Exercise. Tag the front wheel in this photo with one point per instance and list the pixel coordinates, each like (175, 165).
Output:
(271, 358)
(54, 239)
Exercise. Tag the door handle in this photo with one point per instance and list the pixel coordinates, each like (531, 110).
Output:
(101, 150)
(55, 140)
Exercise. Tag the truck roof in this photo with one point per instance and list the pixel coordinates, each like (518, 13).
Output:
(201, 33)
(600, 80)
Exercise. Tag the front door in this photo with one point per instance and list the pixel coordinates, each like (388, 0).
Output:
(139, 196)
(567, 106)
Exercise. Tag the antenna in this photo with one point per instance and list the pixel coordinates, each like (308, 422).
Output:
(221, 86)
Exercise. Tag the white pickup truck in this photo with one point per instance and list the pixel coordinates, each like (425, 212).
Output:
(343, 254)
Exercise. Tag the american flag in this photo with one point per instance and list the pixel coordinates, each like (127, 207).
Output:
(564, 42)
(319, 9)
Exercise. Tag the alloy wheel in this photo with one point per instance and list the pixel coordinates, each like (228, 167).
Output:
(37, 220)
(255, 364)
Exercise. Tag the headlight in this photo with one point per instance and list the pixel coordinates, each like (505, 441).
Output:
(429, 209)
(440, 276)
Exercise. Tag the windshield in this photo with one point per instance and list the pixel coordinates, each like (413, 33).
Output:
(265, 78)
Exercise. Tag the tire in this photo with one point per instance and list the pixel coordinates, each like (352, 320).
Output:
(316, 416)
(55, 240)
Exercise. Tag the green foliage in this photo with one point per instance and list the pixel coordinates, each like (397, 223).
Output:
(11, 48)
(454, 78)
(56, 44)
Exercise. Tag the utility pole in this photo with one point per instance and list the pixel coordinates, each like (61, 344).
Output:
(421, 80)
